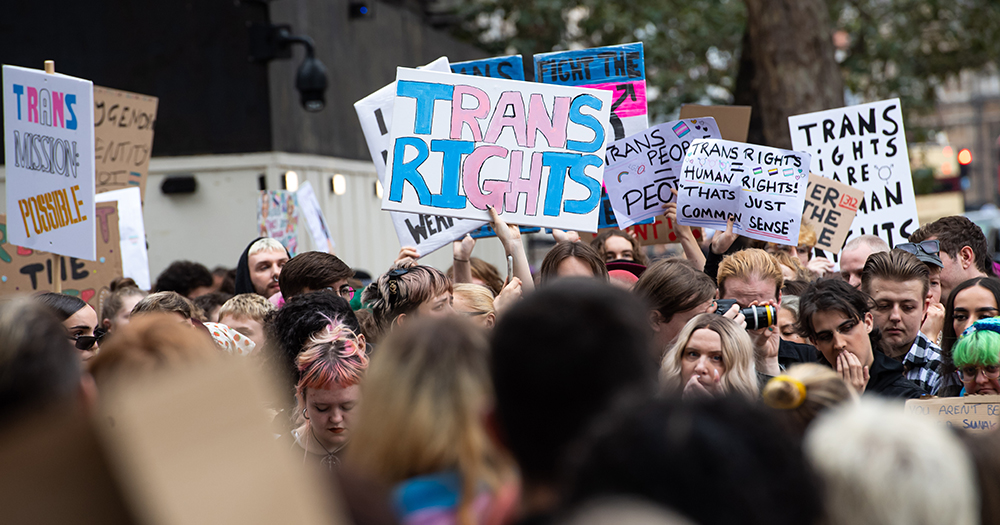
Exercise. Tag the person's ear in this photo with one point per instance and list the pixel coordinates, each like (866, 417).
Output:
(362, 342)
(968, 257)
(399, 320)
(869, 322)
(106, 324)
(655, 318)
(491, 319)
(718, 292)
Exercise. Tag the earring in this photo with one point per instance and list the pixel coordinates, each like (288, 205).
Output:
(304, 414)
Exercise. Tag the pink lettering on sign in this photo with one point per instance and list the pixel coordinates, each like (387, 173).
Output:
(632, 97)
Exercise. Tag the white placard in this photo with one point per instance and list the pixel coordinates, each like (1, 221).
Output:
(132, 233)
(49, 156)
(462, 144)
(309, 208)
(643, 168)
(763, 188)
(864, 146)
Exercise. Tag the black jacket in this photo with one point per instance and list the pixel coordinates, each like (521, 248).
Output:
(243, 282)
(885, 378)
(790, 353)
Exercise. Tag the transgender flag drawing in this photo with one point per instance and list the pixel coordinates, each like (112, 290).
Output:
(681, 129)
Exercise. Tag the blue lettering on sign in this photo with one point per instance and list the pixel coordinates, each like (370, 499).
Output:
(425, 93)
(588, 121)
(403, 172)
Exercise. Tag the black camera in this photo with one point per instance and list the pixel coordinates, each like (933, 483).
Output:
(757, 316)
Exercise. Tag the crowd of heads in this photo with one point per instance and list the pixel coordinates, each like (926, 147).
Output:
(756, 385)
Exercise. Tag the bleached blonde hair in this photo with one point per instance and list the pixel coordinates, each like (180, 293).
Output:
(266, 244)
(740, 376)
(882, 466)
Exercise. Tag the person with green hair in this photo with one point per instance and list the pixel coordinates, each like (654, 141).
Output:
(977, 357)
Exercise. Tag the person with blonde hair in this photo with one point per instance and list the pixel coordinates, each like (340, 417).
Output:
(331, 366)
(882, 466)
(246, 313)
(117, 308)
(791, 268)
(712, 356)
(421, 426)
(803, 392)
(476, 302)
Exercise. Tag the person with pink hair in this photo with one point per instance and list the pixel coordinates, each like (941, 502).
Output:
(331, 366)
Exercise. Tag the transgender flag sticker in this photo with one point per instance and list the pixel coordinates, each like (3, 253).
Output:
(681, 129)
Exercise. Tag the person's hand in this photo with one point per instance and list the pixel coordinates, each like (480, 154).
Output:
(508, 296)
(850, 370)
(694, 389)
(462, 248)
(408, 256)
(507, 234)
(766, 342)
(820, 266)
(736, 315)
(670, 212)
(933, 321)
(722, 241)
(563, 235)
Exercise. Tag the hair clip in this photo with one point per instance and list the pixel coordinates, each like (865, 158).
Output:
(394, 276)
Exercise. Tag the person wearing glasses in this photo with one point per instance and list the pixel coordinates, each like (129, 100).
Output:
(79, 319)
(964, 250)
(314, 271)
(977, 357)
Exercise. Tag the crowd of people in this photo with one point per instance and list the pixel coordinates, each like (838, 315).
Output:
(743, 382)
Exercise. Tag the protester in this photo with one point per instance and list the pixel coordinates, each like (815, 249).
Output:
(404, 292)
(685, 236)
(247, 313)
(968, 302)
(977, 357)
(985, 452)
(260, 266)
(421, 428)
(467, 269)
(571, 259)
(79, 321)
(166, 302)
(803, 253)
(752, 277)
(483, 274)
(897, 283)
(475, 302)
(229, 340)
(618, 245)
(38, 365)
(716, 461)
(837, 318)
(330, 368)
(964, 251)
(117, 308)
(881, 466)
(713, 356)
(791, 268)
(210, 304)
(560, 358)
(927, 252)
(794, 288)
(676, 293)
(854, 255)
(788, 319)
(224, 280)
(803, 392)
(314, 271)
(187, 278)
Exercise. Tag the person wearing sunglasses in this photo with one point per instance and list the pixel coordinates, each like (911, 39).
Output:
(977, 357)
(964, 251)
(79, 319)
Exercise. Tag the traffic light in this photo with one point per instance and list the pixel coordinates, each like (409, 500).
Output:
(964, 162)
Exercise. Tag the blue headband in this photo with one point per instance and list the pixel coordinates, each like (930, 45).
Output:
(992, 324)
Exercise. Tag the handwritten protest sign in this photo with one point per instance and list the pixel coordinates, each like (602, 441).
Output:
(643, 168)
(132, 234)
(462, 143)
(509, 67)
(656, 230)
(618, 69)
(26, 271)
(427, 232)
(864, 146)
(278, 218)
(830, 209)
(975, 414)
(309, 208)
(49, 150)
(123, 125)
(763, 188)
(733, 121)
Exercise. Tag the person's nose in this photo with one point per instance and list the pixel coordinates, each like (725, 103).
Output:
(701, 366)
(854, 280)
(981, 378)
(839, 342)
(896, 314)
(336, 416)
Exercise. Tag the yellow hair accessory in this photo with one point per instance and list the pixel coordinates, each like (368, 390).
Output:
(781, 402)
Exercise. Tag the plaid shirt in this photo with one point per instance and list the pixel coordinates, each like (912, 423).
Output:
(922, 364)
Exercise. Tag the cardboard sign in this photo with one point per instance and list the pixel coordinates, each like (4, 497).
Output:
(123, 143)
(25, 271)
(830, 209)
(49, 150)
(278, 217)
(618, 69)
(976, 414)
(509, 67)
(656, 230)
(461, 144)
(309, 208)
(733, 121)
(132, 234)
(864, 146)
(424, 232)
(763, 188)
(643, 168)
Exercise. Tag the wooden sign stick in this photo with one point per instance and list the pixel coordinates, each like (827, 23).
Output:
(50, 68)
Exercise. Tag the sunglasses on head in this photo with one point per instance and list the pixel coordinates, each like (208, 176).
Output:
(931, 247)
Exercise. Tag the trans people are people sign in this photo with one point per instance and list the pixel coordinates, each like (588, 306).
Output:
(462, 144)
(762, 188)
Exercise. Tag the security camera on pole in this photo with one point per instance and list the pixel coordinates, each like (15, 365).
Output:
(271, 41)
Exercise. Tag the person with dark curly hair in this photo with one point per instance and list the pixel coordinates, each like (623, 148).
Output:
(187, 278)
